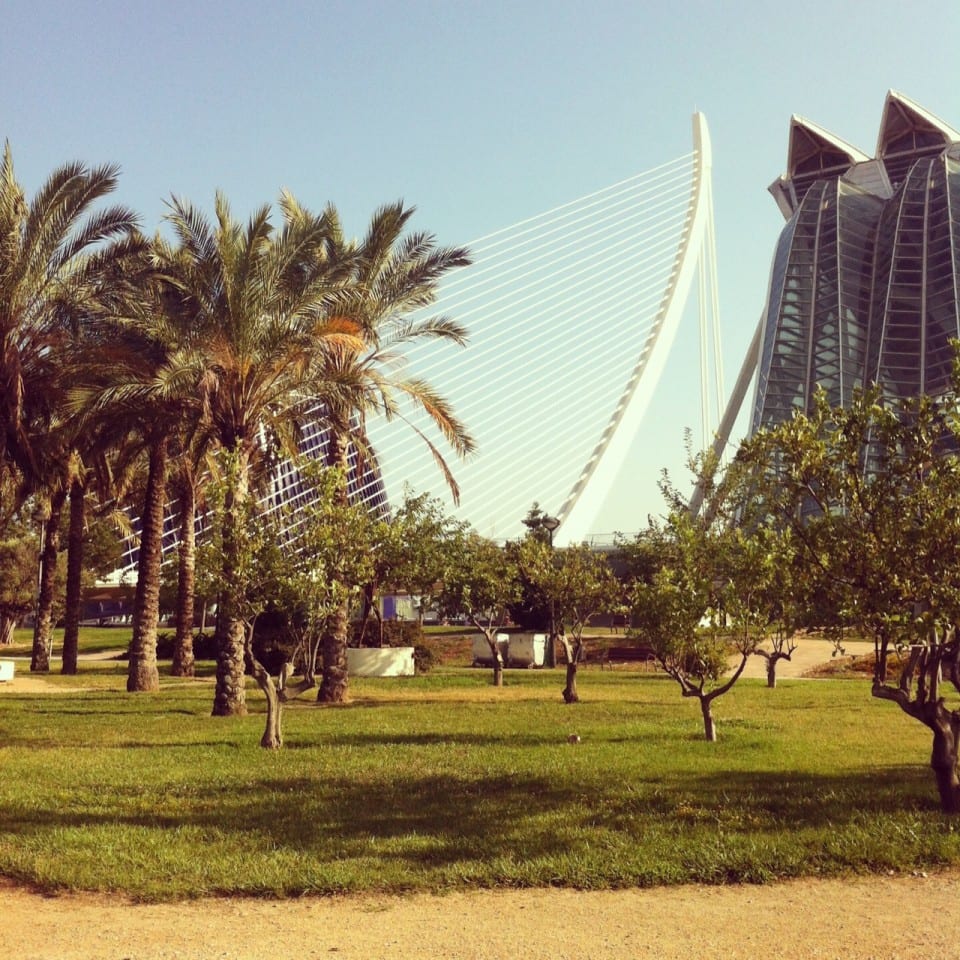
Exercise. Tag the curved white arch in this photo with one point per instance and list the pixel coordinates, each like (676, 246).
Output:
(587, 496)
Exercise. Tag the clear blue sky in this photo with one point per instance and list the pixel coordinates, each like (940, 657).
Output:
(480, 114)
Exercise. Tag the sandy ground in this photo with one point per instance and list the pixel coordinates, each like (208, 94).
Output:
(907, 918)
(879, 918)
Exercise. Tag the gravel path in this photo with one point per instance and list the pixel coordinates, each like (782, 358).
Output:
(883, 918)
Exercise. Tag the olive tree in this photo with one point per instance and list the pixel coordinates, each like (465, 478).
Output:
(871, 494)
(678, 611)
(480, 582)
(579, 584)
(303, 558)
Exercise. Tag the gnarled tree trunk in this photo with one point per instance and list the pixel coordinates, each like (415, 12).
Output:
(918, 694)
(272, 738)
(7, 624)
(709, 727)
(571, 652)
(570, 694)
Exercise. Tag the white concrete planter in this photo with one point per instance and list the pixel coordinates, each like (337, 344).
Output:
(481, 649)
(380, 662)
(527, 649)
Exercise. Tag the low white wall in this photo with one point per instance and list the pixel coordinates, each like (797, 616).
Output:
(380, 661)
(481, 649)
(527, 650)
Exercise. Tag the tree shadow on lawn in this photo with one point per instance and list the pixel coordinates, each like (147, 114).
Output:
(785, 800)
(455, 819)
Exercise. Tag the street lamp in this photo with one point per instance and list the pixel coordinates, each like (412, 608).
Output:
(543, 521)
(550, 524)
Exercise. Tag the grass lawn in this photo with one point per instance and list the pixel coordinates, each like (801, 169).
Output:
(92, 640)
(440, 781)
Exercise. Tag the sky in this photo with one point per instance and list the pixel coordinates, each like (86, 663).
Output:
(479, 114)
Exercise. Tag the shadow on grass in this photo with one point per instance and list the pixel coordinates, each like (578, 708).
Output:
(458, 818)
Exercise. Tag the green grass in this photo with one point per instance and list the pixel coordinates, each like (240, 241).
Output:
(441, 782)
(92, 640)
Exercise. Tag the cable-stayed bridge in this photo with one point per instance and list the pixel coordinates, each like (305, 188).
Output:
(571, 314)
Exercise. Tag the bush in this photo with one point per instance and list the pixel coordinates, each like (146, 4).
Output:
(423, 658)
(396, 633)
(204, 646)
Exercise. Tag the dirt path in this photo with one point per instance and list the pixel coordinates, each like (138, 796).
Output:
(886, 918)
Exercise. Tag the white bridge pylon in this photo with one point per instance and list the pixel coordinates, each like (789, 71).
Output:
(571, 316)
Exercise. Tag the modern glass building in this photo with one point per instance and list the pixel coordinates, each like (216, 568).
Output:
(865, 284)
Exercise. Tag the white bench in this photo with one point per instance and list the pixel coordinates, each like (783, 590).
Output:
(6, 670)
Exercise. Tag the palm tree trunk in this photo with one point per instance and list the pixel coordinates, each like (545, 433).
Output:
(43, 626)
(186, 579)
(335, 683)
(142, 674)
(230, 697)
(71, 620)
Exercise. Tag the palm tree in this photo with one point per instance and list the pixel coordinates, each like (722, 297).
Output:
(259, 297)
(144, 384)
(57, 263)
(391, 275)
(56, 260)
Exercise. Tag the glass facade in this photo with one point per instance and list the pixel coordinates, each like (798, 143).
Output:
(865, 278)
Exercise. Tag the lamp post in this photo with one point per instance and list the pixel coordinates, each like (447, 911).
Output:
(550, 524)
(543, 521)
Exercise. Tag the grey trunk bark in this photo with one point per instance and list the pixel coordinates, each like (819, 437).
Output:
(570, 694)
(709, 727)
(7, 624)
(943, 761)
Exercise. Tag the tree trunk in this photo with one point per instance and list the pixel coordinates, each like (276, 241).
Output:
(183, 662)
(142, 673)
(570, 694)
(71, 618)
(943, 761)
(498, 669)
(931, 710)
(335, 684)
(230, 697)
(272, 738)
(7, 623)
(709, 727)
(43, 627)
(771, 672)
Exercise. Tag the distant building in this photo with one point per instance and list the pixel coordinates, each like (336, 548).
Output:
(865, 284)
